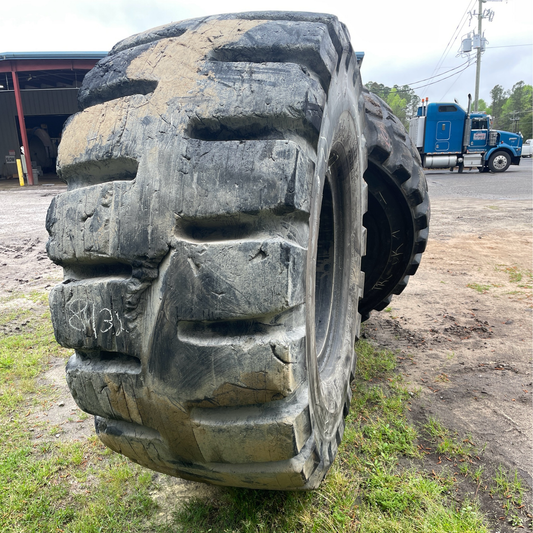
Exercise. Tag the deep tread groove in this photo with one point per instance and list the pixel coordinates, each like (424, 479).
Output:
(88, 173)
(108, 81)
(215, 130)
(127, 362)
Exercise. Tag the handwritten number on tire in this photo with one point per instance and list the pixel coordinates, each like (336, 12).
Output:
(83, 316)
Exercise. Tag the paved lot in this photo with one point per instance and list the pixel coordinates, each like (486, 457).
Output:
(514, 184)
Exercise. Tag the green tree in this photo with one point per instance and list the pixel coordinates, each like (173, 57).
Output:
(401, 99)
(398, 105)
(378, 88)
(499, 96)
(516, 111)
(525, 125)
(482, 106)
(411, 98)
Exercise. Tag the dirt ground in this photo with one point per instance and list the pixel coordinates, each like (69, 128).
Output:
(462, 328)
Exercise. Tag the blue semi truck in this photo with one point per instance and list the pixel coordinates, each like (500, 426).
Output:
(447, 136)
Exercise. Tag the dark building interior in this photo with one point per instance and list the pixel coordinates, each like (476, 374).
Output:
(38, 92)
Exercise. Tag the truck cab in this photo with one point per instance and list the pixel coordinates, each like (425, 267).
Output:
(448, 136)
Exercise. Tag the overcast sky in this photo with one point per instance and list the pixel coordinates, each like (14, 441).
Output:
(404, 42)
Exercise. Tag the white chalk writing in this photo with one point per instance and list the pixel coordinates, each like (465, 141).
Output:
(86, 317)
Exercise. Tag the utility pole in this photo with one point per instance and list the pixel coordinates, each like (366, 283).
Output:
(479, 42)
(478, 56)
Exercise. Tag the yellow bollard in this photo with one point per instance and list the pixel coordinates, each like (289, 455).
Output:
(21, 175)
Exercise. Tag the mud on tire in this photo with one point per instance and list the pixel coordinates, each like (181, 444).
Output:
(211, 239)
(397, 220)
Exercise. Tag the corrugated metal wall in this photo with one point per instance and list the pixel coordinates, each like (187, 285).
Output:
(8, 132)
(34, 102)
(50, 101)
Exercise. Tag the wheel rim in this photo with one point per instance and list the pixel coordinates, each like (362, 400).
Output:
(500, 162)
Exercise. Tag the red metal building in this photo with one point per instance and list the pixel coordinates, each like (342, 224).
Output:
(38, 92)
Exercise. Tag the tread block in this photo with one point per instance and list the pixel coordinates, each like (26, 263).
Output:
(303, 43)
(92, 172)
(102, 132)
(421, 222)
(384, 303)
(105, 388)
(141, 444)
(227, 178)
(246, 104)
(297, 472)
(109, 222)
(275, 432)
(378, 142)
(401, 285)
(250, 367)
(108, 79)
(336, 29)
(236, 280)
(401, 173)
(92, 315)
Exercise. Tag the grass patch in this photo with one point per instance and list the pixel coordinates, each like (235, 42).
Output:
(510, 487)
(372, 363)
(447, 443)
(502, 486)
(516, 274)
(478, 287)
(61, 486)
(23, 357)
(522, 277)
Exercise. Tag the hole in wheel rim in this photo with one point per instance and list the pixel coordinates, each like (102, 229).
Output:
(325, 269)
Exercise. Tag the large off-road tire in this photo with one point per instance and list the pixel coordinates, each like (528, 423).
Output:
(211, 239)
(397, 220)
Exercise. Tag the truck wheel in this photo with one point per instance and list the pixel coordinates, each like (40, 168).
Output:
(499, 162)
(397, 220)
(211, 238)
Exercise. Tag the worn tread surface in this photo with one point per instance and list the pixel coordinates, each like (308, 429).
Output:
(211, 238)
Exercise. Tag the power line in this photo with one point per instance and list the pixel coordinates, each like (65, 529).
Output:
(408, 91)
(453, 37)
(438, 75)
(438, 81)
(454, 82)
(509, 46)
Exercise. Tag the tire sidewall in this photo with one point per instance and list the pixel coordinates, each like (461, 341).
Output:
(340, 140)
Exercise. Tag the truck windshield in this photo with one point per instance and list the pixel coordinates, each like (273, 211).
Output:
(480, 124)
